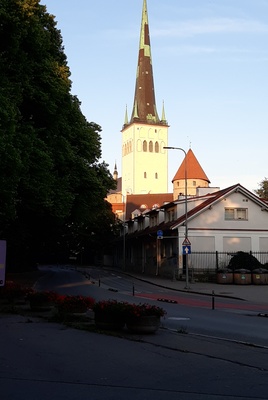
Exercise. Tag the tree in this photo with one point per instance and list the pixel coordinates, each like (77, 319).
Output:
(51, 178)
(262, 192)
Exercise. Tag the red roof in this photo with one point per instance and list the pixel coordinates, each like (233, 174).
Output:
(194, 169)
(142, 202)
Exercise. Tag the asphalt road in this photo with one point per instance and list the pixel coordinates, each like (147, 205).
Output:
(44, 361)
(231, 319)
(41, 360)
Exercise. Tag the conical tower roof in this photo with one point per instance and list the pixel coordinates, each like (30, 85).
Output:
(144, 107)
(194, 169)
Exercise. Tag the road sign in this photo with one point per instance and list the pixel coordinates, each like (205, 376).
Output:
(186, 242)
(159, 234)
(186, 249)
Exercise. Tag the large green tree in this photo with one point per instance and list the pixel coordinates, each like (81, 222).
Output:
(52, 185)
(262, 191)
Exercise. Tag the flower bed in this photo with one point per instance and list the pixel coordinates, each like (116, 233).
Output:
(144, 309)
(143, 318)
(112, 314)
(74, 304)
(42, 300)
(12, 291)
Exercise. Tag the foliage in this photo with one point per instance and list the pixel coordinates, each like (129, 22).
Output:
(111, 307)
(41, 297)
(74, 304)
(11, 291)
(262, 192)
(242, 260)
(142, 310)
(128, 309)
(51, 182)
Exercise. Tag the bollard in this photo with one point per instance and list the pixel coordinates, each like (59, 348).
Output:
(133, 290)
(99, 281)
(213, 300)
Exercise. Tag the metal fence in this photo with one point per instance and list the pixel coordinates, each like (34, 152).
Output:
(212, 261)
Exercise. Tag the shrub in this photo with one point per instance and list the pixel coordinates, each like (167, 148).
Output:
(74, 304)
(36, 297)
(11, 291)
(111, 307)
(141, 310)
(244, 260)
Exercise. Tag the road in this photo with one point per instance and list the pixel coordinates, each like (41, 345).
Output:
(231, 319)
(41, 360)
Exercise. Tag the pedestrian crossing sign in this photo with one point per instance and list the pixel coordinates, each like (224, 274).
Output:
(186, 242)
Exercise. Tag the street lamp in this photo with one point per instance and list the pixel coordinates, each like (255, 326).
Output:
(186, 210)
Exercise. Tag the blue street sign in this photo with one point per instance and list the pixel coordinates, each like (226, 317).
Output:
(159, 233)
(186, 249)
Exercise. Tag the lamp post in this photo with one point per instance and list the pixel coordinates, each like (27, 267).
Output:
(124, 233)
(186, 210)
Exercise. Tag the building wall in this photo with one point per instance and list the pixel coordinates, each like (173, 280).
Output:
(214, 217)
(192, 186)
(144, 171)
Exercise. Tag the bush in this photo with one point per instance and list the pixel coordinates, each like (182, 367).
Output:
(12, 291)
(111, 307)
(74, 304)
(242, 260)
(36, 297)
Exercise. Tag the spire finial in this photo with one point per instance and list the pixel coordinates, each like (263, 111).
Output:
(163, 118)
(115, 174)
(126, 117)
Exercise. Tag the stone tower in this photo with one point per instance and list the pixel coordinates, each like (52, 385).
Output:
(196, 177)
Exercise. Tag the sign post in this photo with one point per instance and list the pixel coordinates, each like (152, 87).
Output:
(2, 262)
(158, 250)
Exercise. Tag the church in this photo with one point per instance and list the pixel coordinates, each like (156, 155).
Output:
(195, 228)
(144, 180)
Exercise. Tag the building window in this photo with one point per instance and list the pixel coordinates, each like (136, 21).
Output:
(194, 183)
(144, 146)
(171, 215)
(156, 175)
(236, 214)
(145, 175)
(156, 147)
(151, 147)
(178, 183)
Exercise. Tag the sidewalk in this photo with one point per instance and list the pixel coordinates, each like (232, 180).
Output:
(252, 293)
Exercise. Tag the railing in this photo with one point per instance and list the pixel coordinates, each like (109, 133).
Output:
(206, 261)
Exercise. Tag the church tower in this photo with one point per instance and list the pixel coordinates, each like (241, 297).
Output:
(144, 161)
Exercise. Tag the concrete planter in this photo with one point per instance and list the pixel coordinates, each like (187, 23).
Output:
(109, 321)
(144, 324)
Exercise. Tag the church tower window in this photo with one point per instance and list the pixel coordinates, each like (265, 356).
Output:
(144, 146)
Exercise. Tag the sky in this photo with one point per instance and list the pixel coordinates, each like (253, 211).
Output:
(210, 65)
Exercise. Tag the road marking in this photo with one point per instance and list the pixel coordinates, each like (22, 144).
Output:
(179, 318)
